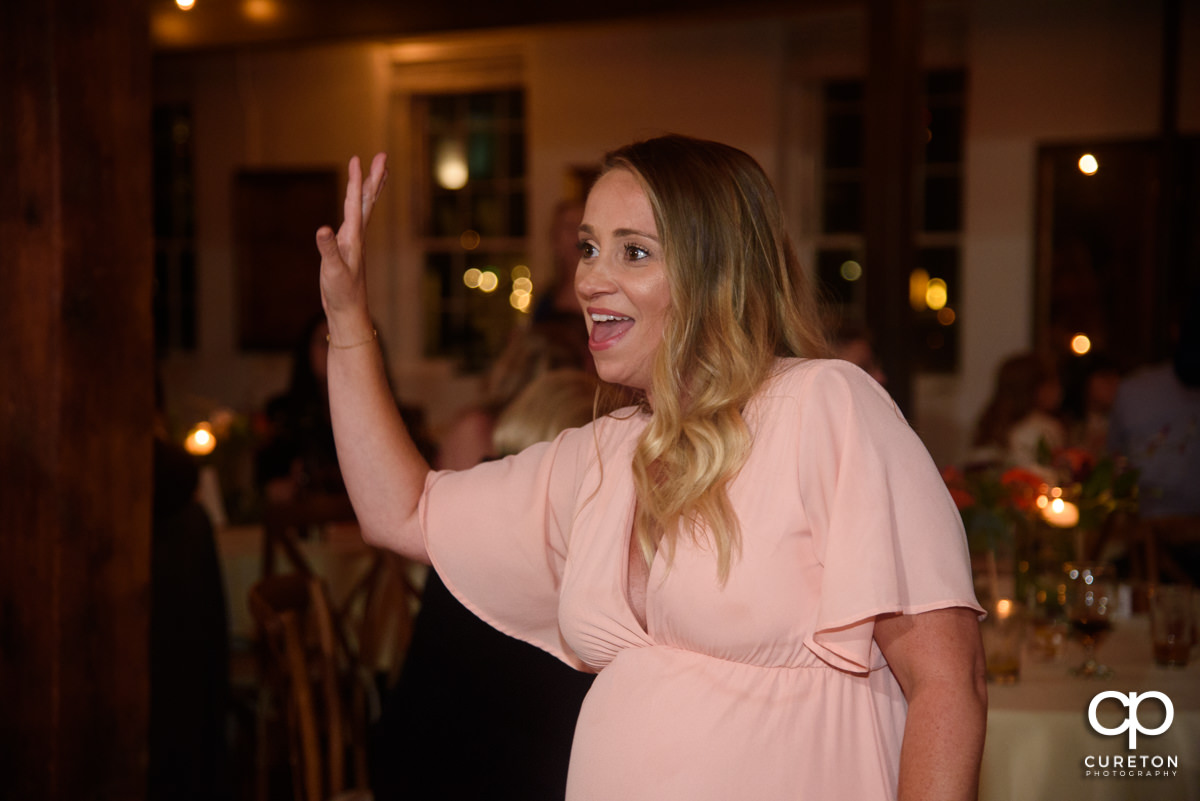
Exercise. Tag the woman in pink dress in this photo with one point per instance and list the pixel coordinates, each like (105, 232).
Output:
(757, 557)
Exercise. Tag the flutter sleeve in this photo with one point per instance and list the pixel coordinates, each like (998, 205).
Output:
(886, 532)
(497, 536)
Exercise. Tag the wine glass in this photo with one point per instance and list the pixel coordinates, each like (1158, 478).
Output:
(1091, 602)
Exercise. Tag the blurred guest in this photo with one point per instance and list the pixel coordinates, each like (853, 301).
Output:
(1155, 423)
(556, 313)
(530, 352)
(560, 298)
(1020, 422)
(1088, 397)
(466, 688)
(853, 343)
(299, 453)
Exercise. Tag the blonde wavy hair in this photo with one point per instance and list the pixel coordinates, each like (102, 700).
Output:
(739, 300)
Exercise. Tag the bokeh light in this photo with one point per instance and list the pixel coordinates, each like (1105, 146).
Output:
(450, 164)
(936, 294)
(918, 282)
(200, 440)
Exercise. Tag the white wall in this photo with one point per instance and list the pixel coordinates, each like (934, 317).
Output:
(276, 108)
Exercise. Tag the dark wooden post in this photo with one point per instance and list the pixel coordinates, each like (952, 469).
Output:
(76, 398)
(893, 150)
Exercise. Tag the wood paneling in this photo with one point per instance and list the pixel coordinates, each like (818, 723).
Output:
(76, 399)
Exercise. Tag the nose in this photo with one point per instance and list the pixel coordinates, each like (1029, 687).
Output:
(592, 279)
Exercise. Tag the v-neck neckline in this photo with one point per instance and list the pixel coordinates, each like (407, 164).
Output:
(637, 579)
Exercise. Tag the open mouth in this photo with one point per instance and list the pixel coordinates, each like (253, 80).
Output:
(607, 327)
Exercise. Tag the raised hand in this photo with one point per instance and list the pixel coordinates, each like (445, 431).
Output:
(343, 274)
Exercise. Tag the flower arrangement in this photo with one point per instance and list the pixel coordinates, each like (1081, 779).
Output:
(1024, 523)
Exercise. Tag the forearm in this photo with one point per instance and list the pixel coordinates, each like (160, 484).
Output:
(943, 742)
(383, 470)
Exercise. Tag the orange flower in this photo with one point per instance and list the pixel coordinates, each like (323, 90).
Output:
(1023, 487)
(956, 483)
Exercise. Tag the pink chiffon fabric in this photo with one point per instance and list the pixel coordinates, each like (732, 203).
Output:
(769, 687)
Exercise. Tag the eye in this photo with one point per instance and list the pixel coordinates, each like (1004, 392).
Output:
(636, 253)
(586, 249)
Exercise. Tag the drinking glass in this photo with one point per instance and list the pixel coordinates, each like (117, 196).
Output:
(1091, 602)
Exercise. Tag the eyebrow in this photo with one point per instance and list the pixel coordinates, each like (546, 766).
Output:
(587, 229)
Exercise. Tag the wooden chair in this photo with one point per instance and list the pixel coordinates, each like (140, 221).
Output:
(307, 677)
(285, 524)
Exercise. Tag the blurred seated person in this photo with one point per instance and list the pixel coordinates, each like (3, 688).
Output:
(1020, 421)
(299, 453)
(529, 353)
(560, 298)
(556, 312)
(466, 688)
(1155, 423)
(299, 456)
(854, 344)
(1088, 397)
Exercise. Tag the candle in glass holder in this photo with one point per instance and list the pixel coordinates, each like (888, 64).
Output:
(1003, 635)
(200, 440)
(1060, 513)
(1004, 609)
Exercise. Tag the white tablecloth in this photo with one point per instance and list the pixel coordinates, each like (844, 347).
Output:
(1040, 741)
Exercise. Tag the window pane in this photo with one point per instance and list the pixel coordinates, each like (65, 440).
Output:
(446, 218)
(840, 274)
(843, 206)
(935, 328)
(481, 155)
(844, 140)
(942, 212)
(515, 104)
(945, 135)
(482, 108)
(516, 153)
(487, 214)
(485, 133)
(516, 214)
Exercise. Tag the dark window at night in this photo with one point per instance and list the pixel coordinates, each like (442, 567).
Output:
(939, 213)
(472, 221)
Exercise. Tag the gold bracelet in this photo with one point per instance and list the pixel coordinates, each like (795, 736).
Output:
(374, 336)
